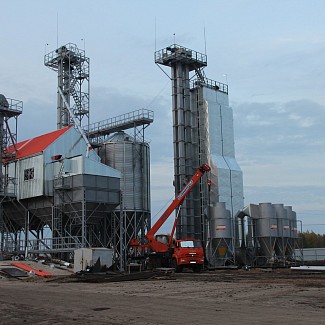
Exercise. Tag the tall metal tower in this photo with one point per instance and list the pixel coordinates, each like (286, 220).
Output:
(182, 61)
(10, 109)
(72, 67)
(203, 133)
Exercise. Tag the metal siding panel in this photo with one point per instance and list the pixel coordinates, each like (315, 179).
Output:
(228, 147)
(283, 222)
(68, 181)
(232, 164)
(67, 166)
(77, 180)
(221, 221)
(101, 182)
(77, 165)
(125, 155)
(102, 196)
(33, 187)
(253, 210)
(226, 173)
(89, 180)
(97, 168)
(93, 192)
(90, 195)
(114, 197)
(77, 195)
(237, 188)
(114, 183)
(267, 219)
(214, 123)
(220, 178)
(48, 188)
(69, 144)
(222, 98)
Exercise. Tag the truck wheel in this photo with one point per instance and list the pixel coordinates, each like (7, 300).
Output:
(197, 268)
(174, 265)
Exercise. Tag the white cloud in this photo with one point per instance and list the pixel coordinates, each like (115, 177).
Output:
(304, 122)
(282, 160)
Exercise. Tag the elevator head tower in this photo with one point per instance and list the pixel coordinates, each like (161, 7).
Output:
(203, 134)
(10, 109)
(72, 67)
(182, 61)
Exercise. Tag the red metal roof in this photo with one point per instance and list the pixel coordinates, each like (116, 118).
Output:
(36, 145)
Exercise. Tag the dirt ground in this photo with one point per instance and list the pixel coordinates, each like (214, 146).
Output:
(214, 297)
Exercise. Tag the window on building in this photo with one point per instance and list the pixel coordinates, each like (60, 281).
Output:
(28, 174)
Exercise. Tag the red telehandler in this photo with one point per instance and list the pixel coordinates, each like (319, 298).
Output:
(164, 250)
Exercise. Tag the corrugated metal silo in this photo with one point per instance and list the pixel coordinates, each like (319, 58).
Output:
(132, 159)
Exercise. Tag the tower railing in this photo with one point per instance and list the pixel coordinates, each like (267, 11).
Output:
(211, 84)
(119, 123)
(175, 52)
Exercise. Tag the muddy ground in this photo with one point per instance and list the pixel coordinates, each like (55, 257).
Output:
(215, 297)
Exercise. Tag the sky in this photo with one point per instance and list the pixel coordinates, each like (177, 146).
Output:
(271, 53)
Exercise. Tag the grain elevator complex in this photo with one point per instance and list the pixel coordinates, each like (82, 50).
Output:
(88, 185)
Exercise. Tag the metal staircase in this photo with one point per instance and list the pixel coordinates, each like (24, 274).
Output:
(72, 67)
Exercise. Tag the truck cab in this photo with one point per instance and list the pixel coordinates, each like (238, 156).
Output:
(188, 253)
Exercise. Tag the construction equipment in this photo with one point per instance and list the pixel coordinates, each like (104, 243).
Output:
(163, 250)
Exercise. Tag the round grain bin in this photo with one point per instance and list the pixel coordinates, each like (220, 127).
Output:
(132, 159)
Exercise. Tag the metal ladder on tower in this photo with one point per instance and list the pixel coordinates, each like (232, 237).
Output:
(203, 155)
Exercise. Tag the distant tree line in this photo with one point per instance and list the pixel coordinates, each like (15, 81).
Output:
(312, 240)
